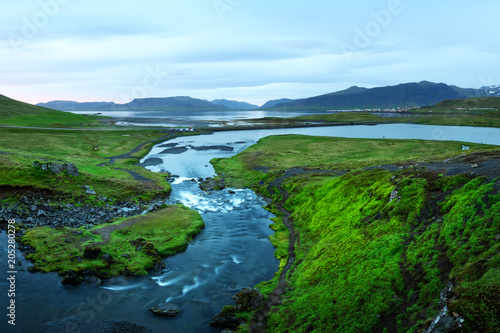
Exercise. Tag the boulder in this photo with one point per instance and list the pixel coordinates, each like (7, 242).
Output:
(226, 318)
(248, 299)
(91, 252)
(166, 310)
(72, 170)
(71, 279)
(57, 168)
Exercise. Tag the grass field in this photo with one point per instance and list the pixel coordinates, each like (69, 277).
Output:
(281, 152)
(85, 149)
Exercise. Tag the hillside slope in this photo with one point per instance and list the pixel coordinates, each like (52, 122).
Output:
(10, 108)
(403, 95)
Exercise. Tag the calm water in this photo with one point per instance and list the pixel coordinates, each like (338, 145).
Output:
(232, 252)
(197, 118)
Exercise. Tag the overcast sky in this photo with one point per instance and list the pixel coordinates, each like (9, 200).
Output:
(248, 50)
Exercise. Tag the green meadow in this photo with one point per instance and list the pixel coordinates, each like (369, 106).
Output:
(364, 262)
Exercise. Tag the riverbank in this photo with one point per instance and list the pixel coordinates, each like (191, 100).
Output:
(377, 249)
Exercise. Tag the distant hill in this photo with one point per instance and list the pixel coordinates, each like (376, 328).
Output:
(74, 106)
(10, 107)
(275, 102)
(235, 105)
(404, 95)
(179, 103)
(470, 103)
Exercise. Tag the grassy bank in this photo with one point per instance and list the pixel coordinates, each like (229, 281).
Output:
(131, 245)
(436, 116)
(280, 152)
(364, 262)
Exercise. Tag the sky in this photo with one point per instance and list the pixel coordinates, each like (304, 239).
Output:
(246, 50)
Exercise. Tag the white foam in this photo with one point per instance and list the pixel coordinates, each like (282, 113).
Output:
(236, 260)
(168, 282)
(120, 288)
(195, 285)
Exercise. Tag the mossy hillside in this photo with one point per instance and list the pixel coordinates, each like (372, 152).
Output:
(358, 251)
(135, 244)
(285, 151)
(10, 108)
(54, 119)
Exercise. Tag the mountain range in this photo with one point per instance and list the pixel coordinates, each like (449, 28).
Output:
(403, 96)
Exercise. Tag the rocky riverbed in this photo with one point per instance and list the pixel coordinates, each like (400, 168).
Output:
(38, 209)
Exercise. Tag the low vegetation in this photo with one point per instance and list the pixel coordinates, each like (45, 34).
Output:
(131, 245)
(89, 151)
(376, 248)
(280, 152)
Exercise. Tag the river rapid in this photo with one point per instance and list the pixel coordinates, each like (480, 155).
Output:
(231, 253)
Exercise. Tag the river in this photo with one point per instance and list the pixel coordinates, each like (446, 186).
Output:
(232, 252)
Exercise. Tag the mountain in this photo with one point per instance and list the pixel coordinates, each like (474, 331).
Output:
(275, 102)
(235, 105)
(402, 95)
(74, 106)
(179, 103)
(169, 104)
(491, 91)
(10, 107)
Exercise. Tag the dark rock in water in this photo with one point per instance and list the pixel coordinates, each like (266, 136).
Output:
(166, 310)
(91, 252)
(226, 318)
(71, 279)
(151, 162)
(178, 150)
(220, 148)
(213, 184)
(93, 280)
(248, 299)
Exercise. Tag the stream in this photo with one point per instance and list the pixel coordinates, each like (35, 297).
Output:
(231, 253)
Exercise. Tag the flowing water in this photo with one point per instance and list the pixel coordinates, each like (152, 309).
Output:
(232, 252)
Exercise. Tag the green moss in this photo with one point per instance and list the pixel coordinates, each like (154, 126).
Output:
(135, 243)
(361, 257)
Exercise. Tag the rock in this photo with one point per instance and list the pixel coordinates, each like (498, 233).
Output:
(57, 168)
(41, 213)
(226, 318)
(394, 196)
(90, 191)
(248, 299)
(166, 310)
(71, 279)
(91, 252)
(72, 170)
(108, 258)
(94, 281)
